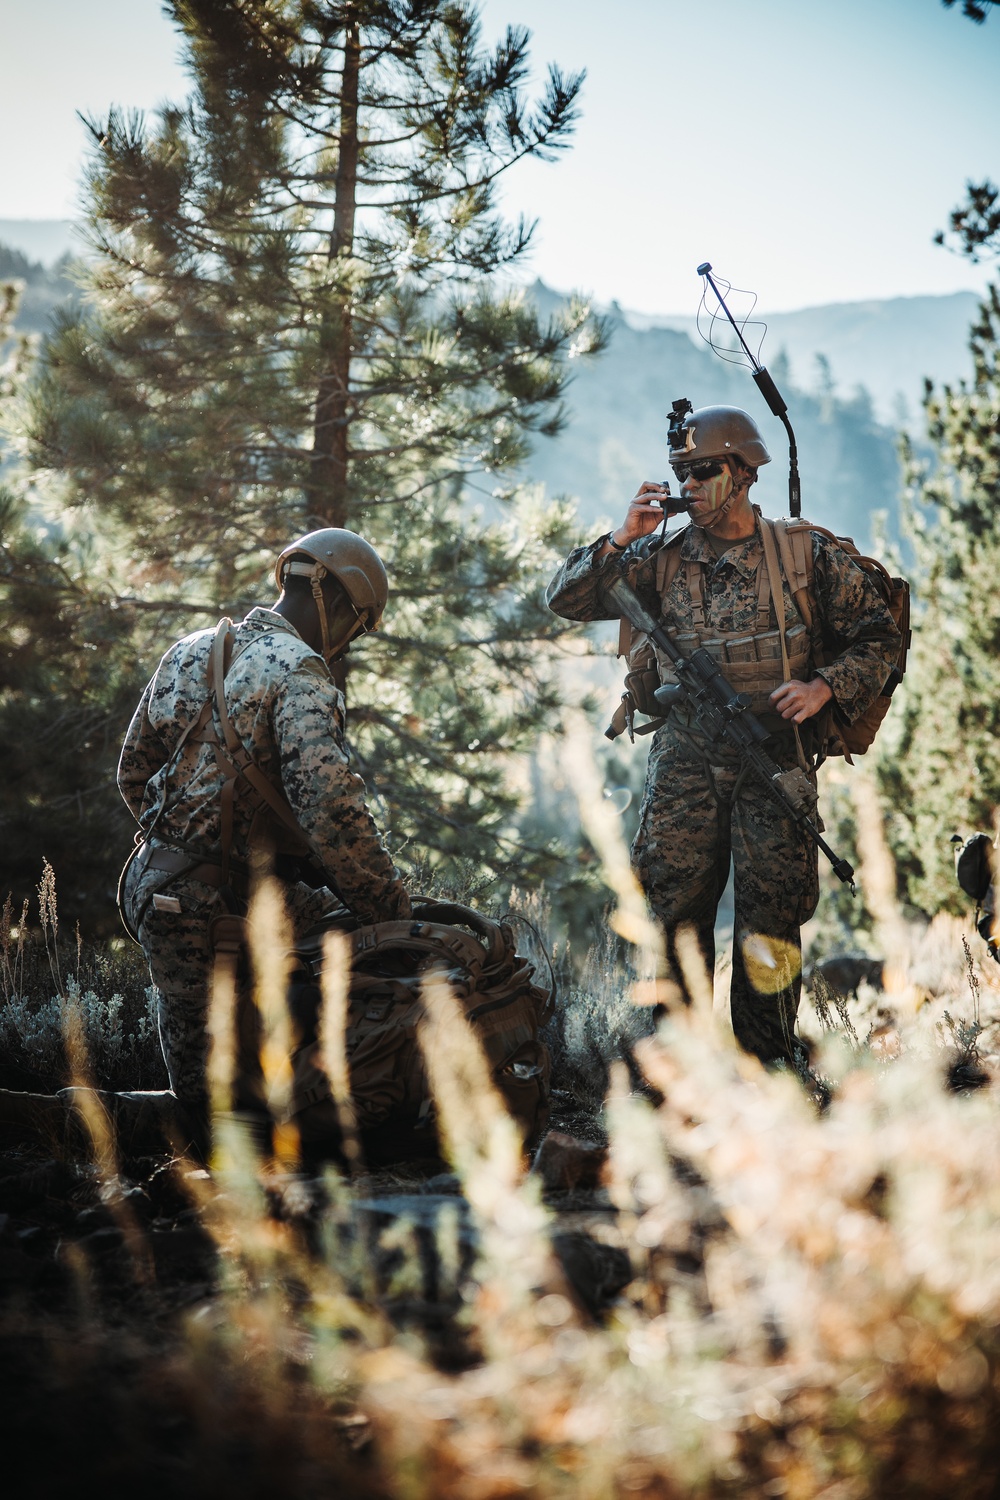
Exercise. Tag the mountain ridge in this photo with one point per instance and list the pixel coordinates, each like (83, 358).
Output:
(852, 373)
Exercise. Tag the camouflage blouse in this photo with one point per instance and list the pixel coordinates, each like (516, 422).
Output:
(290, 717)
(850, 609)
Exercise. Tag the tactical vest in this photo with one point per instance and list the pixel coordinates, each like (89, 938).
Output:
(754, 663)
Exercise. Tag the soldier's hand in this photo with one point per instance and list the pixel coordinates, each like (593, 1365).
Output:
(644, 513)
(801, 700)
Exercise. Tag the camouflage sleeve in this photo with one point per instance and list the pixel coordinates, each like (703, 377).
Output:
(575, 591)
(143, 754)
(856, 622)
(329, 799)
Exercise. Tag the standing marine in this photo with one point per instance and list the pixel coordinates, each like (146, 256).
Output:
(237, 751)
(712, 583)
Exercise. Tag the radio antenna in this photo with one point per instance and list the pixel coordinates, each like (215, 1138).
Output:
(769, 391)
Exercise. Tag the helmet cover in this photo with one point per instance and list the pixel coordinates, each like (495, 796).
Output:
(717, 432)
(352, 561)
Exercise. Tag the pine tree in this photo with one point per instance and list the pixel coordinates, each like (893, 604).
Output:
(299, 313)
(67, 675)
(975, 10)
(940, 774)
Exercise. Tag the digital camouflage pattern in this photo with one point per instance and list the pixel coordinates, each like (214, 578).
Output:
(290, 717)
(180, 961)
(699, 811)
(694, 817)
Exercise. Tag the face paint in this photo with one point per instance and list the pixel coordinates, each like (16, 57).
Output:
(705, 499)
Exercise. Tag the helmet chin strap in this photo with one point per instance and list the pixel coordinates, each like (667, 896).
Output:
(316, 575)
(316, 572)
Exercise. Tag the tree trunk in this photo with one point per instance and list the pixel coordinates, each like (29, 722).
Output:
(328, 497)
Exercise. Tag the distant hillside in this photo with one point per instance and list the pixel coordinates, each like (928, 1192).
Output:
(45, 240)
(888, 347)
(616, 433)
(44, 288)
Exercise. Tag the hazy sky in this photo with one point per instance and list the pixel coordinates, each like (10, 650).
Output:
(808, 148)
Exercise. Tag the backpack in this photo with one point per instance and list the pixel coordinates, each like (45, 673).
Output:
(795, 549)
(495, 988)
(797, 565)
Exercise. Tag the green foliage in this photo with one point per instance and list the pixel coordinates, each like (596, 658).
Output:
(291, 319)
(939, 770)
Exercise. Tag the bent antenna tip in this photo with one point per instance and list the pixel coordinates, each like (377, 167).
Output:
(704, 268)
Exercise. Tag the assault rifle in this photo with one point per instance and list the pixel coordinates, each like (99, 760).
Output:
(724, 716)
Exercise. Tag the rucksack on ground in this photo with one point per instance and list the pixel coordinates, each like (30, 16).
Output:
(494, 985)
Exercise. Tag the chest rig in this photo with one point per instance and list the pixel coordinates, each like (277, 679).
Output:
(755, 661)
(776, 648)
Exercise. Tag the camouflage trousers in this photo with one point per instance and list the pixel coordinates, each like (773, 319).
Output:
(181, 961)
(697, 817)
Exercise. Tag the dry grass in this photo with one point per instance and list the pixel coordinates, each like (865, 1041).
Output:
(814, 1304)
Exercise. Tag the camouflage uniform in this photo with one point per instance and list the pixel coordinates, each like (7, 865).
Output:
(290, 717)
(699, 810)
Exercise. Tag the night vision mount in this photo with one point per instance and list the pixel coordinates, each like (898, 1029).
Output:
(675, 422)
(762, 379)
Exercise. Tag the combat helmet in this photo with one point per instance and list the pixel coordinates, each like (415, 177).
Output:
(714, 432)
(349, 559)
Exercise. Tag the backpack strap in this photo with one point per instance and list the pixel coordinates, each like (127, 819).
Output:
(763, 598)
(772, 566)
(667, 562)
(235, 761)
(795, 546)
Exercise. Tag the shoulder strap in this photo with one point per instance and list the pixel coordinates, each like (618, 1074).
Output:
(237, 761)
(763, 598)
(778, 594)
(668, 561)
(795, 546)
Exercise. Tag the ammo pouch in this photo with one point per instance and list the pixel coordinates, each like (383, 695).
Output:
(641, 681)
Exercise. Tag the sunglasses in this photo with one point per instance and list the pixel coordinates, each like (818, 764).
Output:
(706, 468)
